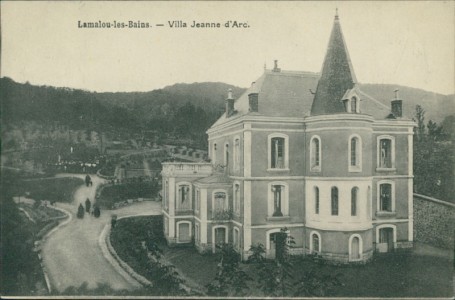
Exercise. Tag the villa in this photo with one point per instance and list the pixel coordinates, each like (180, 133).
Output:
(307, 151)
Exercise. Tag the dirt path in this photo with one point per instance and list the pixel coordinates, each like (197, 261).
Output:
(72, 254)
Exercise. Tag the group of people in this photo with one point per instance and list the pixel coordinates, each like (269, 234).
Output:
(94, 211)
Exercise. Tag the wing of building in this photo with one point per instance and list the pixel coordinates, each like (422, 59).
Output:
(304, 151)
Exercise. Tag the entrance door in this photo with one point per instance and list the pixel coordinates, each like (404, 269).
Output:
(385, 240)
(271, 252)
(220, 236)
(355, 248)
(184, 233)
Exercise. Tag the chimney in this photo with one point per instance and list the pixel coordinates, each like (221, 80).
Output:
(397, 106)
(229, 104)
(275, 68)
(253, 99)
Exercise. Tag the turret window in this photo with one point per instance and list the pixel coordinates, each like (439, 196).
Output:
(316, 200)
(315, 153)
(355, 153)
(354, 193)
(334, 200)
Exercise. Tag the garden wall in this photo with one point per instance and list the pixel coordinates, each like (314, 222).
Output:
(434, 222)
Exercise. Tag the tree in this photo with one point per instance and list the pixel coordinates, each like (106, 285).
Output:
(230, 279)
(433, 159)
(420, 119)
(275, 279)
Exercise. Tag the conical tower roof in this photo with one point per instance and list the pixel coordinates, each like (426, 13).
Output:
(337, 75)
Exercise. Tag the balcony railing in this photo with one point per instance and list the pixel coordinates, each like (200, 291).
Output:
(222, 215)
(177, 168)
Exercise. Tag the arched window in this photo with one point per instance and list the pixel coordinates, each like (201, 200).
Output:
(334, 198)
(315, 153)
(316, 200)
(355, 153)
(354, 193)
(315, 242)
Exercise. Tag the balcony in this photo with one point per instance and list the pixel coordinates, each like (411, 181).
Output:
(173, 169)
(222, 215)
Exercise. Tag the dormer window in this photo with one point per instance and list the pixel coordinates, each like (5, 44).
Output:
(351, 102)
(354, 104)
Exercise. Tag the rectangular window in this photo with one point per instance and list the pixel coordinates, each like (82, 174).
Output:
(198, 200)
(220, 200)
(277, 152)
(277, 198)
(237, 199)
(385, 154)
(184, 197)
(334, 197)
(237, 155)
(385, 195)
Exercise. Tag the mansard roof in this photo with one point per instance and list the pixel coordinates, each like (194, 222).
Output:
(280, 93)
(337, 75)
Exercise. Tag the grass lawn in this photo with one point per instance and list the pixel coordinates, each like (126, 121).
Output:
(52, 189)
(388, 275)
(111, 194)
(127, 237)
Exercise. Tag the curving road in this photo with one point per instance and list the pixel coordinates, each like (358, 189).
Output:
(72, 254)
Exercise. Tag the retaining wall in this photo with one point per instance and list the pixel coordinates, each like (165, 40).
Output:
(434, 222)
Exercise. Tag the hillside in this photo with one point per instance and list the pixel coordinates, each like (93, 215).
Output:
(164, 109)
(436, 106)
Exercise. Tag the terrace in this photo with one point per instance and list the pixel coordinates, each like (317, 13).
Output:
(180, 169)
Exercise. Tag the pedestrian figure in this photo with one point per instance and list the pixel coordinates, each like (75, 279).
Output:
(80, 211)
(113, 221)
(97, 211)
(88, 205)
(87, 180)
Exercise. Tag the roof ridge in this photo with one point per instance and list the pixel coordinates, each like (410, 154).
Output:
(374, 99)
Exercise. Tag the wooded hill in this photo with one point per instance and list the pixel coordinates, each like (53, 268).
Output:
(180, 109)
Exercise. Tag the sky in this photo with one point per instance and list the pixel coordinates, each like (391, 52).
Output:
(405, 43)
